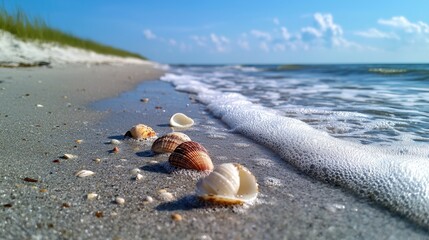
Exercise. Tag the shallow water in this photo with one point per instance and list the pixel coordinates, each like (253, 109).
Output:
(364, 127)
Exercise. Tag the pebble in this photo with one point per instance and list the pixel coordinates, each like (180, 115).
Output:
(92, 196)
(115, 142)
(97, 160)
(79, 141)
(148, 199)
(165, 196)
(39, 105)
(135, 171)
(176, 217)
(139, 177)
(120, 201)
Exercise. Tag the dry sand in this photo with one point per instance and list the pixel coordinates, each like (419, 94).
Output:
(32, 138)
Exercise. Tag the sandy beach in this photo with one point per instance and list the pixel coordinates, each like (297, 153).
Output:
(45, 110)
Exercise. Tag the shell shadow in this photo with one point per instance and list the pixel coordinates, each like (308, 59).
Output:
(163, 125)
(188, 202)
(117, 137)
(157, 167)
(146, 153)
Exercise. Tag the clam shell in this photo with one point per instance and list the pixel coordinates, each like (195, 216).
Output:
(169, 142)
(229, 183)
(191, 155)
(181, 120)
(141, 132)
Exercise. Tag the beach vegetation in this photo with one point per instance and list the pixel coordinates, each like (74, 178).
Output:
(28, 28)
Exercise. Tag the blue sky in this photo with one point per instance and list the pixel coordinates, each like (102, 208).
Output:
(313, 31)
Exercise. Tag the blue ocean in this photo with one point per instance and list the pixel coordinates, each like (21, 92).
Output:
(364, 127)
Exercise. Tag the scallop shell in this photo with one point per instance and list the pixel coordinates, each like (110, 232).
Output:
(229, 183)
(141, 132)
(191, 155)
(169, 142)
(181, 120)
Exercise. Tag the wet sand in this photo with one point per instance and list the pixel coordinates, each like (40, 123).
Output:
(93, 105)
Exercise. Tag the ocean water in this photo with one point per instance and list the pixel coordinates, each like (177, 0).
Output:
(363, 127)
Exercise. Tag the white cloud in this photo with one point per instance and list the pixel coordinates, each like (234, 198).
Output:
(309, 33)
(403, 23)
(326, 23)
(278, 47)
(276, 21)
(172, 42)
(200, 41)
(375, 33)
(220, 42)
(285, 33)
(261, 35)
(148, 34)
(244, 44)
(264, 46)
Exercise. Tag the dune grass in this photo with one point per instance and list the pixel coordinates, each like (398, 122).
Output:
(30, 29)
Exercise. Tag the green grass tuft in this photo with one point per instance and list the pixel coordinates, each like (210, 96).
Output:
(30, 29)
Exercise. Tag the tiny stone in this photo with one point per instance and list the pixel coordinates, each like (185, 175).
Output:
(99, 214)
(43, 190)
(92, 196)
(115, 150)
(176, 217)
(145, 100)
(66, 205)
(135, 171)
(139, 177)
(115, 141)
(79, 141)
(120, 200)
(97, 160)
(39, 105)
(148, 199)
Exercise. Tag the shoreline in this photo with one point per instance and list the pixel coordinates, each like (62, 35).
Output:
(102, 103)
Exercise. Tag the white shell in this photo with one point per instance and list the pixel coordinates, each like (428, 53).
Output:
(229, 183)
(120, 200)
(84, 173)
(92, 196)
(181, 120)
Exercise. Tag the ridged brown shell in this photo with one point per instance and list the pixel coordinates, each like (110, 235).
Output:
(141, 132)
(191, 155)
(169, 142)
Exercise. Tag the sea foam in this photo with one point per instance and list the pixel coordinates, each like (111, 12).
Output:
(396, 179)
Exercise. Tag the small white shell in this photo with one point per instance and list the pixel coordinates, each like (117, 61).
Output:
(139, 177)
(84, 173)
(115, 142)
(91, 196)
(120, 200)
(69, 156)
(135, 171)
(229, 183)
(181, 120)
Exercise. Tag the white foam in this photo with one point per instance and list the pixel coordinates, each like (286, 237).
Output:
(396, 179)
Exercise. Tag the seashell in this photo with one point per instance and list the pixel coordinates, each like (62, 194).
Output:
(229, 183)
(92, 196)
(181, 120)
(169, 142)
(139, 177)
(115, 142)
(84, 173)
(191, 155)
(69, 156)
(140, 132)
